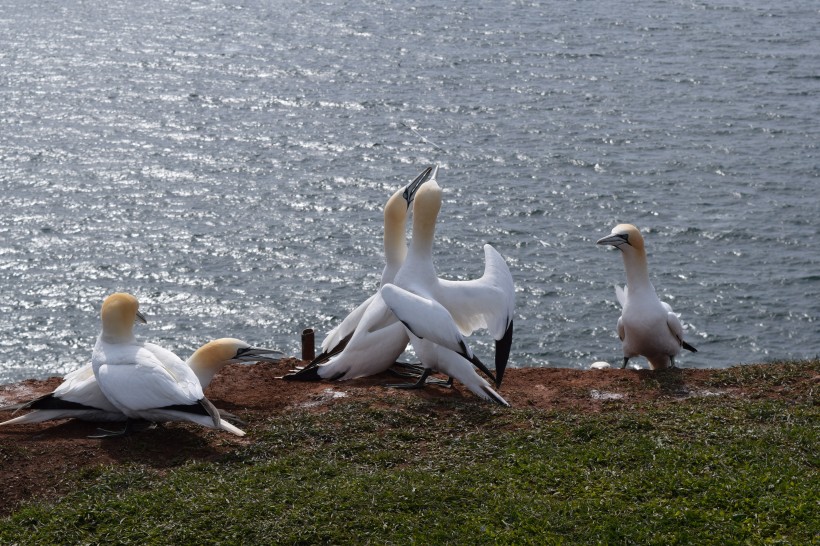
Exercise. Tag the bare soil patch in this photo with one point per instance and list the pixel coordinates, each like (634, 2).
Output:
(35, 460)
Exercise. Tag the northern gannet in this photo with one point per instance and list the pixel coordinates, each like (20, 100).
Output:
(215, 355)
(79, 395)
(439, 313)
(647, 326)
(419, 315)
(395, 249)
(370, 339)
(145, 381)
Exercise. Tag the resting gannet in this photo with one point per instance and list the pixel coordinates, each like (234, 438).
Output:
(439, 313)
(79, 395)
(215, 355)
(143, 380)
(370, 339)
(647, 326)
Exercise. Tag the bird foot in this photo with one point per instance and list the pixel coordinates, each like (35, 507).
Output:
(407, 386)
(448, 384)
(129, 428)
(418, 385)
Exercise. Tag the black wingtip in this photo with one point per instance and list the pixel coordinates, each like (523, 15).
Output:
(495, 397)
(211, 410)
(203, 406)
(231, 418)
(49, 402)
(502, 353)
(480, 365)
(310, 373)
(688, 347)
(324, 356)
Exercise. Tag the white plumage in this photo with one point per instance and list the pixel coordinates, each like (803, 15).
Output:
(439, 313)
(79, 395)
(370, 339)
(647, 326)
(143, 380)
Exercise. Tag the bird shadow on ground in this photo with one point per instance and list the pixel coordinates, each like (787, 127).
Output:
(669, 382)
(160, 446)
(165, 445)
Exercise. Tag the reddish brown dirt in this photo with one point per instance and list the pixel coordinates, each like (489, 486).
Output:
(35, 459)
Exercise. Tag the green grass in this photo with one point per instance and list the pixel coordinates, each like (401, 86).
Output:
(713, 470)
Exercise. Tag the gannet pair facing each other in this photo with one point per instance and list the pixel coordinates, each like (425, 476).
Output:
(392, 340)
(647, 326)
(82, 396)
(438, 313)
(415, 305)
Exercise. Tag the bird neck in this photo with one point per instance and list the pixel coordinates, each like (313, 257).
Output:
(208, 360)
(117, 337)
(637, 271)
(204, 373)
(395, 248)
(424, 231)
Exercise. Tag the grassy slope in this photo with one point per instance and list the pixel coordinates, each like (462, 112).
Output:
(712, 469)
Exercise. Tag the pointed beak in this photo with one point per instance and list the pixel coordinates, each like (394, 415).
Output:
(258, 354)
(411, 188)
(616, 239)
(140, 318)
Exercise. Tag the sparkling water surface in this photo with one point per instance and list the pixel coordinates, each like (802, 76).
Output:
(227, 162)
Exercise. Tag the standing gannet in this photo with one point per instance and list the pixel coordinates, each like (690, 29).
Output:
(395, 249)
(431, 331)
(370, 339)
(647, 326)
(439, 313)
(79, 395)
(145, 381)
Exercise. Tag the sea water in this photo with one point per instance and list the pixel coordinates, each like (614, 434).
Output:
(227, 162)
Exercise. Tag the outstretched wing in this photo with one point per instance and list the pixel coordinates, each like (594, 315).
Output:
(487, 302)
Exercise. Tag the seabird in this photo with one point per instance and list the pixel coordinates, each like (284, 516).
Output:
(647, 326)
(79, 395)
(395, 249)
(145, 381)
(370, 339)
(439, 313)
(215, 355)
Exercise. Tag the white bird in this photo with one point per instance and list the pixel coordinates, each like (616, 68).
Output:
(370, 339)
(215, 355)
(145, 381)
(419, 315)
(79, 395)
(647, 326)
(395, 249)
(439, 313)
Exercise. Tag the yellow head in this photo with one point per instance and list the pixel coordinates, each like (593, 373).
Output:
(624, 236)
(425, 210)
(119, 312)
(214, 355)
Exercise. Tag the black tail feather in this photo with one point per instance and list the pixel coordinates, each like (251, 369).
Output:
(310, 373)
(687, 346)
